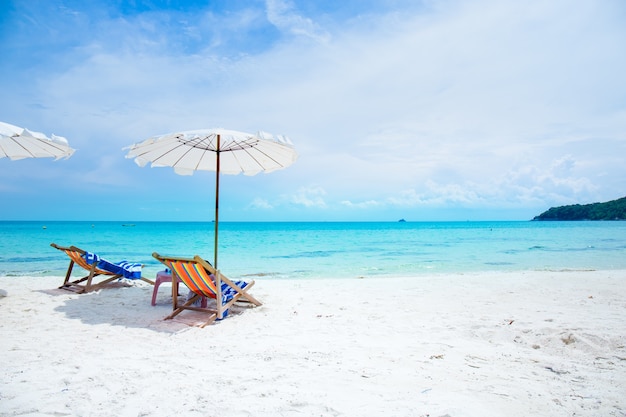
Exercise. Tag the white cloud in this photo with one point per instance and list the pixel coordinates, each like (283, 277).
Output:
(261, 203)
(310, 197)
(283, 15)
(362, 204)
(467, 103)
(435, 195)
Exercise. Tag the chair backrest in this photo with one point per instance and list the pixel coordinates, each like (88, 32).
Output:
(76, 255)
(196, 275)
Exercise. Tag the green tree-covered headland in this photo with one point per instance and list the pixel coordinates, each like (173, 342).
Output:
(611, 210)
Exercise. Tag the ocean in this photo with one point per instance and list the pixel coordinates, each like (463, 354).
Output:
(296, 250)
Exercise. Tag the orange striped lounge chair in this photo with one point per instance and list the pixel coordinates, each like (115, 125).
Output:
(97, 269)
(205, 281)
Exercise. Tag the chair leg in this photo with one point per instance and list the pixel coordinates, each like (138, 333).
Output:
(149, 281)
(92, 273)
(68, 274)
(189, 306)
(162, 277)
(157, 283)
(242, 293)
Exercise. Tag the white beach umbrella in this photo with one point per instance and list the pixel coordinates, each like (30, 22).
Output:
(220, 150)
(20, 143)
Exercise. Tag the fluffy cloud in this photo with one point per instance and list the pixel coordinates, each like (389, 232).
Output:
(417, 104)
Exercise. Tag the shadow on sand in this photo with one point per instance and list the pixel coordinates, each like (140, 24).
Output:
(129, 306)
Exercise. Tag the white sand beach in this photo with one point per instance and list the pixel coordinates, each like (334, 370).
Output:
(491, 344)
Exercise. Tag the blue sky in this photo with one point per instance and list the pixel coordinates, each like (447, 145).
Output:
(423, 110)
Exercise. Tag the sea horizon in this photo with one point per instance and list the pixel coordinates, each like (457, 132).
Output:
(318, 249)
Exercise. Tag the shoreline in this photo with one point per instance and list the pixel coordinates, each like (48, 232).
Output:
(149, 271)
(528, 343)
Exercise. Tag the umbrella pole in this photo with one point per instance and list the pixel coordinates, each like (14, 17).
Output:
(217, 199)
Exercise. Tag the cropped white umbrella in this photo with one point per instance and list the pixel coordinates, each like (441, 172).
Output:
(220, 150)
(20, 143)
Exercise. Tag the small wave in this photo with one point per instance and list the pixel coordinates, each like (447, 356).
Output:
(29, 259)
(262, 274)
(31, 273)
(314, 254)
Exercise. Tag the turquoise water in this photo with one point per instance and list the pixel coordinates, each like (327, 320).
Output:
(342, 249)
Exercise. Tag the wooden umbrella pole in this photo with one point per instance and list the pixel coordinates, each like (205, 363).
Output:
(217, 199)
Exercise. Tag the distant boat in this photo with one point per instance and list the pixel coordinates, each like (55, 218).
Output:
(401, 221)
(128, 225)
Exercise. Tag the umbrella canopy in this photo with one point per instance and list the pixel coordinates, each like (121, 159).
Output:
(20, 143)
(219, 150)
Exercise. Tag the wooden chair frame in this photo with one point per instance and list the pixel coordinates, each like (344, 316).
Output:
(205, 282)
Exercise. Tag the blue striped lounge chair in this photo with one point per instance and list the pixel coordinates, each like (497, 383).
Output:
(100, 271)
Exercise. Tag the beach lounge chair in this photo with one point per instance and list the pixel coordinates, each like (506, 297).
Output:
(96, 267)
(205, 281)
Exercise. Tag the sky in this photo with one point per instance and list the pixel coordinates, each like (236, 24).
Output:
(431, 110)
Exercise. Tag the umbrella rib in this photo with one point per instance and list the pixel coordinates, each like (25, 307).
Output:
(171, 151)
(202, 158)
(206, 148)
(251, 156)
(254, 156)
(247, 150)
(45, 143)
(265, 154)
(19, 144)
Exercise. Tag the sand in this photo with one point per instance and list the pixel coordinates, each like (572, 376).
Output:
(493, 344)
